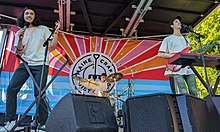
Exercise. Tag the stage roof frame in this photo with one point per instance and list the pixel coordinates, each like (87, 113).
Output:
(111, 18)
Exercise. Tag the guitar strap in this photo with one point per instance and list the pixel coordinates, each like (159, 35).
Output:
(187, 42)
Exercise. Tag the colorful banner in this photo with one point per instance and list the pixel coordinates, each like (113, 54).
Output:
(89, 57)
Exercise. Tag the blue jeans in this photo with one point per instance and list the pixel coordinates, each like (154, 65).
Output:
(182, 80)
(19, 77)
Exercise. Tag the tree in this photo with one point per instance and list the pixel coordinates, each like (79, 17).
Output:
(210, 28)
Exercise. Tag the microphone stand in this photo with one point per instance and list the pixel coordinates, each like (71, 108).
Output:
(210, 101)
(198, 38)
(130, 85)
(46, 43)
(41, 92)
(35, 83)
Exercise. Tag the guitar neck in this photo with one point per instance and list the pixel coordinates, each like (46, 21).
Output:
(206, 47)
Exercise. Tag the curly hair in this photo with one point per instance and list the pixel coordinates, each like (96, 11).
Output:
(21, 21)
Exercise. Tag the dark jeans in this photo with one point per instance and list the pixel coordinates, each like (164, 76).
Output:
(19, 77)
(190, 80)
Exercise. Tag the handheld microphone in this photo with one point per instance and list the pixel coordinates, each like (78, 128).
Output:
(26, 25)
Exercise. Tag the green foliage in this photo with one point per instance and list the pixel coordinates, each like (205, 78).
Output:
(210, 28)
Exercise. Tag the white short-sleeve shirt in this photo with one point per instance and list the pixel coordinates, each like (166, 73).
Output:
(175, 44)
(33, 41)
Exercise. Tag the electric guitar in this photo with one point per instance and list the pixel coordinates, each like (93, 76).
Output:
(176, 68)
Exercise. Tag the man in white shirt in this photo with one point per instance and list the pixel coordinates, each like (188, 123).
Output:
(29, 45)
(173, 44)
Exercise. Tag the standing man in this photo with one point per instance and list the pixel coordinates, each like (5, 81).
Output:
(29, 45)
(173, 44)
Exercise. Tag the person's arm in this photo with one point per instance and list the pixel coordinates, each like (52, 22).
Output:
(163, 50)
(164, 54)
(19, 47)
(53, 43)
(92, 92)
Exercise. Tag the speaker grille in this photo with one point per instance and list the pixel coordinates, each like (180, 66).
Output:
(80, 113)
(148, 113)
(198, 114)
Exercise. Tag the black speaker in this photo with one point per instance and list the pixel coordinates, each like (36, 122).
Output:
(214, 112)
(194, 113)
(82, 113)
(150, 113)
(165, 113)
(214, 104)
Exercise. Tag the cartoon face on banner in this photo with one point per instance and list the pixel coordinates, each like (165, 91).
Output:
(91, 66)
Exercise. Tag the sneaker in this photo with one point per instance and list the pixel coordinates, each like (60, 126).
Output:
(42, 127)
(8, 126)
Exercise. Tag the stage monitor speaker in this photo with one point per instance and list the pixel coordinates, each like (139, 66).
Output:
(150, 113)
(194, 113)
(165, 113)
(82, 113)
(214, 110)
(214, 104)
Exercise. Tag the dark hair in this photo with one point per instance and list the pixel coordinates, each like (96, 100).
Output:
(104, 74)
(177, 17)
(21, 21)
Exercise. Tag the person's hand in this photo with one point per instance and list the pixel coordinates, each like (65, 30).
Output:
(21, 33)
(57, 23)
(105, 94)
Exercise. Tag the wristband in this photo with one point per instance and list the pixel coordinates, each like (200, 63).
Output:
(19, 49)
